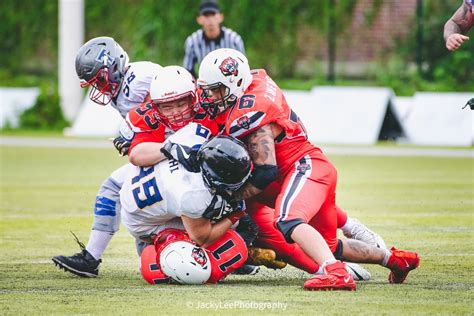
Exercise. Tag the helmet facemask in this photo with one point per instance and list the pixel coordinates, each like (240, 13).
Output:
(103, 89)
(166, 109)
(216, 99)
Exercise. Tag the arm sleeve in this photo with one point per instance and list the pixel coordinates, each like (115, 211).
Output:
(194, 203)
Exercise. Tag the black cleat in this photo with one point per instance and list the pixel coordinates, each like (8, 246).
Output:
(247, 269)
(82, 263)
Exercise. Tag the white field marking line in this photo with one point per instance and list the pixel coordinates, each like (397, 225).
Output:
(19, 141)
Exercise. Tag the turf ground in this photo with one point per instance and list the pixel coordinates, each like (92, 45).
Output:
(415, 203)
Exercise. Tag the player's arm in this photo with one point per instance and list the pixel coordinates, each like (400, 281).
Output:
(459, 23)
(203, 232)
(261, 146)
(145, 154)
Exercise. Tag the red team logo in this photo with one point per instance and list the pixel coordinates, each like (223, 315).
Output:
(302, 168)
(229, 67)
(199, 256)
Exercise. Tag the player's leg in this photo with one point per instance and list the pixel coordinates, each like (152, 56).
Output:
(352, 228)
(399, 262)
(271, 238)
(305, 189)
(106, 223)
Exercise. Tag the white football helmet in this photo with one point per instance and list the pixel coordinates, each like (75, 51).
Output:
(185, 262)
(174, 83)
(226, 68)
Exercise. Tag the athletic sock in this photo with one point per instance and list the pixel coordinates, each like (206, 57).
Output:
(347, 228)
(98, 242)
(386, 257)
(328, 262)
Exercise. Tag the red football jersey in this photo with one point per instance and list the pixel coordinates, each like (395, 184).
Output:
(147, 126)
(264, 103)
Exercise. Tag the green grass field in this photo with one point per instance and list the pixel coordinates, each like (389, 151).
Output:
(422, 204)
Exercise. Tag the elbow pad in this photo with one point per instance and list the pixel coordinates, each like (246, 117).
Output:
(263, 175)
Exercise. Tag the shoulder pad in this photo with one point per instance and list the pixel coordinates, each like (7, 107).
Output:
(142, 119)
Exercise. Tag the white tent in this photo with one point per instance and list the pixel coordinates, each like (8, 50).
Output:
(438, 119)
(13, 102)
(342, 115)
(95, 120)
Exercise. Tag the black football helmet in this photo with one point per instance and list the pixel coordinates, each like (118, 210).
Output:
(101, 63)
(225, 163)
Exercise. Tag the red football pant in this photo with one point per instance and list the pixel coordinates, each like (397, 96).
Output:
(270, 237)
(308, 192)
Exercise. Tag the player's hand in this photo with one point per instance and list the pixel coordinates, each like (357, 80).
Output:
(455, 40)
(235, 216)
(122, 145)
(187, 156)
(247, 229)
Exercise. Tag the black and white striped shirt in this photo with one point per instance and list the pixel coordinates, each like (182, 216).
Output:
(197, 46)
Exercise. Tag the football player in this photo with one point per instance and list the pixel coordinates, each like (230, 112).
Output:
(103, 66)
(173, 105)
(173, 97)
(167, 196)
(299, 177)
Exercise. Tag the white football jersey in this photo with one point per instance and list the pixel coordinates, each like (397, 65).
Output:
(155, 198)
(135, 86)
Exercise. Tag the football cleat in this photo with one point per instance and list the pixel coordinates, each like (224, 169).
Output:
(360, 232)
(335, 277)
(82, 263)
(247, 269)
(401, 263)
(265, 257)
(357, 272)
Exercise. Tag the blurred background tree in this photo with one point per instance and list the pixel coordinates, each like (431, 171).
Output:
(291, 39)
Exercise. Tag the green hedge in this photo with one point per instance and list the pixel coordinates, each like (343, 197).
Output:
(156, 29)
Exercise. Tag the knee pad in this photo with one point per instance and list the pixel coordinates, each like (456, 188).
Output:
(287, 227)
(338, 252)
(107, 207)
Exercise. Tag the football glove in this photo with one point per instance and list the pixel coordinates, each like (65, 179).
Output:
(247, 229)
(470, 103)
(187, 156)
(122, 145)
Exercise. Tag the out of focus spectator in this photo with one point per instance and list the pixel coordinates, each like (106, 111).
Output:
(211, 36)
(458, 25)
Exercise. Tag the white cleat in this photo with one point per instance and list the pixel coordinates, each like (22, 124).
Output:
(357, 272)
(360, 232)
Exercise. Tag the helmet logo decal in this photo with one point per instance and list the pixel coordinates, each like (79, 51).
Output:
(104, 56)
(229, 67)
(199, 256)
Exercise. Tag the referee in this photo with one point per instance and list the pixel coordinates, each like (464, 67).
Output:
(212, 36)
